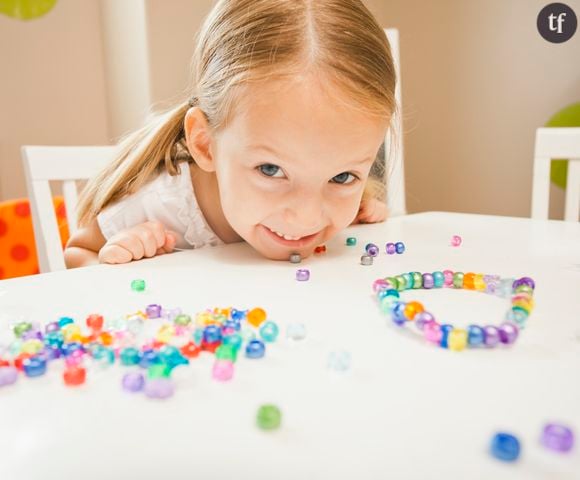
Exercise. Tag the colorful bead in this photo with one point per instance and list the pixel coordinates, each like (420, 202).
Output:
(380, 284)
(428, 281)
(212, 334)
(302, 274)
(417, 278)
(255, 349)
(21, 328)
(226, 352)
(475, 336)
(74, 375)
(269, 417)
(269, 331)
(400, 247)
(557, 437)
(390, 248)
(458, 280)
(422, 318)
(398, 313)
(339, 361)
(63, 321)
(491, 336)
(256, 316)
(457, 339)
(130, 356)
(223, 370)
(445, 331)
(234, 340)
(468, 281)
(411, 309)
(351, 241)
(295, 258)
(34, 366)
(508, 333)
(438, 279)
(372, 249)
(505, 447)
(133, 382)
(138, 285)
(366, 260)
(524, 281)
(153, 311)
(159, 388)
(448, 275)
(320, 249)
(8, 376)
(432, 332)
(456, 241)
(95, 322)
(296, 331)
(159, 370)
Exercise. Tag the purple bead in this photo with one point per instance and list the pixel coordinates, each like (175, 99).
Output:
(8, 375)
(159, 388)
(391, 248)
(50, 352)
(302, 274)
(422, 318)
(33, 335)
(491, 336)
(508, 332)
(133, 382)
(153, 311)
(372, 249)
(557, 437)
(428, 281)
(524, 281)
(52, 327)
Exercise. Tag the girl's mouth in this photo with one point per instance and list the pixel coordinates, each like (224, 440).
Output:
(289, 240)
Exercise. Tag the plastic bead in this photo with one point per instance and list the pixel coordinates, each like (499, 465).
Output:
(226, 352)
(409, 280)
(130, 356)
(212, 334)
(182, 319)
(133, 382)
(51, 327)
(190, 350)
(438, 279)
(475, 336)
(428, 281)
(74, 376)
(400, 247)
(269, 331)
(412, 309)
(269, 417)
(491, 336)
(63, 321)
(372, 249)
(398, 313)
(296, 331)
(422, 318)
(445, 331)
(557, 437)
(255, 349)
(417, 280)
(148, 358)
(153, 310)
(159, 388)
(390, 248)
(432, 332)
(223, 370)
(234, 340)
(401, 283)
(458, 280)
(468, 281)
(138, 285)
(380, 284)
(366, 260)
(302, 274)
(159, 370)
(339, 361)
(457, 339)
(8, 376)
(95, 322)
(295, 258)
(351, 241)
(34, 366)
(21, 328)
(320, 249)
(508, 333)
(524, 281)
(505, 447)
(456, 241)
(448, 275)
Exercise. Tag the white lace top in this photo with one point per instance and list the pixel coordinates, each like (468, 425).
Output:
(167, 199)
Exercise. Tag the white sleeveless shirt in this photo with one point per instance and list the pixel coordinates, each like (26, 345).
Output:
(167, 199)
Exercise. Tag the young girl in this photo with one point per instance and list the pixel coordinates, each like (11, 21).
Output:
(291, 101)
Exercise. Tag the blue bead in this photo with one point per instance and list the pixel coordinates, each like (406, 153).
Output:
(68, 348)
(399, 247)
(212, 334)
(398, 314)
(255, 349)
(148, 358)
(445, 329)
(54, 339)
(172, 357)
(130, 356)
(50, 352)
(438, 279)
(34, 366)
(65, 321)
(475, 335)
(505, 446)
(237, 314)
(231, 325)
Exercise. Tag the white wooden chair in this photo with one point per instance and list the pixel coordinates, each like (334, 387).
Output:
(556, 143)
(394, 163)
(66, 164)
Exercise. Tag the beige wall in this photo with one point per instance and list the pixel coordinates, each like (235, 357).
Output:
(477, 80)
(51, 85)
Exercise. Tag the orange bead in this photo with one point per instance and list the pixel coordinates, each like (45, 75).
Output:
(469, 281)
(320, 249)
(190, 350)
(19, 359)
(106, 338)
(74, 376)
(256, 316)
(412, 309)
(95, 321)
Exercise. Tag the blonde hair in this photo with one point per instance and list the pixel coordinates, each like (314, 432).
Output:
(249, 41)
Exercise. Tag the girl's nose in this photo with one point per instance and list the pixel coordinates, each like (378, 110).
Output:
(305, 213)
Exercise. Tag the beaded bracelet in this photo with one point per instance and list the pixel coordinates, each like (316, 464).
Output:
(446, 335)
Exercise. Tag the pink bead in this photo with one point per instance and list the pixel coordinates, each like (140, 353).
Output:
(432, 332)
(448, 274)
(223, 370)
(455, 240)
(380, 284)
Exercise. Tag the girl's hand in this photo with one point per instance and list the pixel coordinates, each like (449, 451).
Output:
(371, 211)
(144, 240)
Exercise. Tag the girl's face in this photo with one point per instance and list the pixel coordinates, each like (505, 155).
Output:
(291, 165)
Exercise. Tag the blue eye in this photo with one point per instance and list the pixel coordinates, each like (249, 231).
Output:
(270, 170)
(343, 178)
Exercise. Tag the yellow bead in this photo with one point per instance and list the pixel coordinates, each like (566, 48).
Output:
(527, 305)
(457, 339)
(71, 333)
(31, 346)
(256, 316)
(478, 282)
(412, 309)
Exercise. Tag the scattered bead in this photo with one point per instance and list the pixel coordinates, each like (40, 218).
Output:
(138, 285)
(557, 437)
(339, 361)
(34, 366)
(159, 388)
(302, 274)
(456, 241)
(95, 322)
(296, 331)
(74, 375)
(372, 249)
(153, 311)
(8, 376)
(351, 241)
(366, 260)
(256, 316)
(269, 417)
(295, 258)
(133, 382)
(320, 249)
(223, 370)
(255, 349)
(505, 447)
(390, 248)
(400, 247)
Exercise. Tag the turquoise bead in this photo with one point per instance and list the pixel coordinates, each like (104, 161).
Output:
(64, 321)
(130, 356)
(234, 340)
(408, 279)
(269, 331)
(438, 279)
(387, 303)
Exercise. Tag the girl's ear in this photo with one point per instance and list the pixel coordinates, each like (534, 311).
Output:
(198, 139)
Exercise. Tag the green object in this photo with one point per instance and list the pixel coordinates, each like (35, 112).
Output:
(567, 117)
(159, 370)
(351, 241)
(226, 352)
(21, 328)
(26, 9)
(182, 319)
(138, 285)
(269, 417)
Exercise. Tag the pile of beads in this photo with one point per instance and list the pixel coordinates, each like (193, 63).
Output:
(448, 336)
(179, 338)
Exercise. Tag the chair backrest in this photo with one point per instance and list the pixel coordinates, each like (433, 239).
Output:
(556, 143)
(65, 164)
(394, 163)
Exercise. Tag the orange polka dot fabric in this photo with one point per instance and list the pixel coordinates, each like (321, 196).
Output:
(17, 247)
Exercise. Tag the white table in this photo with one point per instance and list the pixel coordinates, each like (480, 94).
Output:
(405, 409)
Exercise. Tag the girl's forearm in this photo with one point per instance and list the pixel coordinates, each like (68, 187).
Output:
(80, 257)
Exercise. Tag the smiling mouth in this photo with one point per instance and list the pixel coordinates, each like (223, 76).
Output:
(289, 240)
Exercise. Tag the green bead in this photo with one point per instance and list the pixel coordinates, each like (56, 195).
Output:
(524, 289)
(351, 241)
(417, 280)
(438, 279)
(234, 340)
(21, 328)
(138, 285)
(393, 281)
(182, 319)
(401, 283)
(408, 280)
(269, 417)
(159, 370)
(226, 352)
(458, 280)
